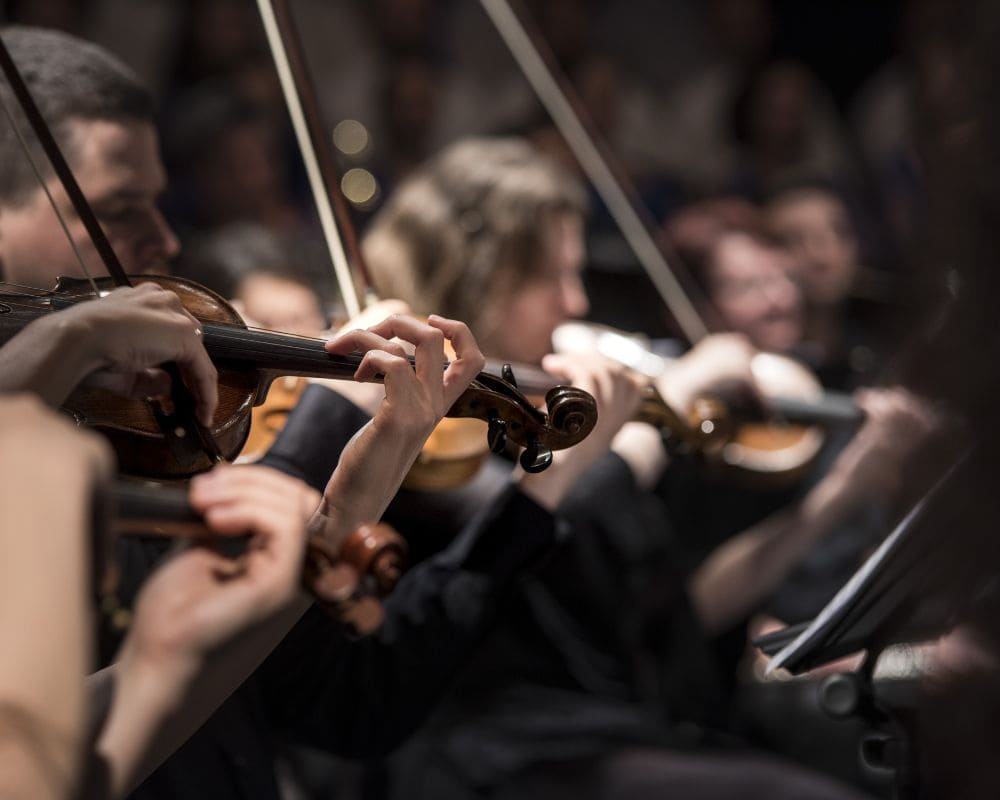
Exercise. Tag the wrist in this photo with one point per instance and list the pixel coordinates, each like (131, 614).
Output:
(368, 475)
(147, 692)
(156, 677)
(78, 341)
(547, 488)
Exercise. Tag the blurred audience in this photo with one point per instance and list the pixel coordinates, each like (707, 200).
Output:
(272, 283)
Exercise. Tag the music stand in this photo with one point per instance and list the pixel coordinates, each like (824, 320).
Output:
(921, 581)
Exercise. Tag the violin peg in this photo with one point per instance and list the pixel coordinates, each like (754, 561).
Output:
(362, 616)
(496, 434)
(507, 373)
(536, 458)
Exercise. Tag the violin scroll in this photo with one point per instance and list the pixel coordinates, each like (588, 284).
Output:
(572, 413)
(510, 417)
(351, 582)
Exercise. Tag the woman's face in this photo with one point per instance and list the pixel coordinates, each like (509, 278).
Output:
(752, 291)
(553, 295)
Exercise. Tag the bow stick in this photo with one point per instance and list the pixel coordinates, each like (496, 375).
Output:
(307, 121)
(555, 92)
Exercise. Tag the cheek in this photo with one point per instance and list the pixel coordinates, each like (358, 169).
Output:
(526, 328)
(738, 311)
(36, 255)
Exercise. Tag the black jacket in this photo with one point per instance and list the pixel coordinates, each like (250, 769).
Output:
(353, 696)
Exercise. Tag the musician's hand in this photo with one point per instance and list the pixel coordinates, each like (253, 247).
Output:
(417, 396)
(204, 621)
(130, 332)
(201, 599)
(366, 396)
(897, 423)
(617, 391)
(719, 365)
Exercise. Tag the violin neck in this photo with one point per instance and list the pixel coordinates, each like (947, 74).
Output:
(275, 353)
(155, 510)
(832, 409)
(530, 380)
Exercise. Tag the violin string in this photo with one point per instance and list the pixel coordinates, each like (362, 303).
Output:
(29, 291)
(10, 302)
(45, 188)
(271, 342)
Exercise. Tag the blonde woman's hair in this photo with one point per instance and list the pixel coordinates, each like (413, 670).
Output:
(469, 228)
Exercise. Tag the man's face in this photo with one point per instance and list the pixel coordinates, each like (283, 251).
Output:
(817, 229)
(751, 289)
(117, 165)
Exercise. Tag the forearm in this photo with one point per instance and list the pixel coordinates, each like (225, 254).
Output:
(153, 706)
(742, 571)
(43, 602)
(640, 446)
(48, 358)
(29, 770)
(369, 474)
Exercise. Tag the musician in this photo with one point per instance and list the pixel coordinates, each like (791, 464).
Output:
(787, 276)
(157, 666)
(103, 120)
(744, 273)
(549, 705)
(839, 338)
(349, 696)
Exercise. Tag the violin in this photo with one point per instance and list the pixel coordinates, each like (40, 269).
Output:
(761, 446)
(770, 445)
(249, 360)
(349, 583)
(268, 418)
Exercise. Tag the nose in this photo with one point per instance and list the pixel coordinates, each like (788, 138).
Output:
(574, 296)
(161, 244)
(781, 293)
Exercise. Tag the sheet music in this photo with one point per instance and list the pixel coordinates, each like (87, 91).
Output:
(844, 600)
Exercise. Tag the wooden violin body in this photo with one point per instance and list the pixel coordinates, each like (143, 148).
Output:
(268, 418)
(132, 426)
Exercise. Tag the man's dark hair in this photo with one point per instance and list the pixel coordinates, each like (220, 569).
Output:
(69, 79)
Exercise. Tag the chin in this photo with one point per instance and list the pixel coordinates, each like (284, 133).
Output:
(780, 341)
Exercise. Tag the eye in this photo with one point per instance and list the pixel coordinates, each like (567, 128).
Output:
(118, 214)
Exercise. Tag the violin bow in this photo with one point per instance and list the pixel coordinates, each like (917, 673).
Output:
(307, 121)
(185, 435)
(554, 91)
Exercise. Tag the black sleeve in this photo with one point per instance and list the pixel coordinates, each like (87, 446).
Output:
(315, 434)
(363, 697)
